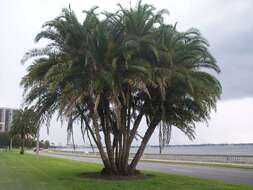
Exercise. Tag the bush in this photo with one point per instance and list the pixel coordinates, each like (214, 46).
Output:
(16, 141)
(4, 139)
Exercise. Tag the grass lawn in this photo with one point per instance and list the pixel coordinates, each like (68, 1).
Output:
(29, 172)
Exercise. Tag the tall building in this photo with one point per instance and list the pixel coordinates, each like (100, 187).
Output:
(6, 117)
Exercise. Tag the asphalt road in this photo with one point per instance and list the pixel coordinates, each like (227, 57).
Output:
(230, 175)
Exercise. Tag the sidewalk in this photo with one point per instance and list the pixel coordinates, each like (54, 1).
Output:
(181, 162)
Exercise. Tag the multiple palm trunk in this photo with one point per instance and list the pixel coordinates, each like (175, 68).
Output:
(115, 153)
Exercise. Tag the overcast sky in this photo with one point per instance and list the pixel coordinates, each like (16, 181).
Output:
(227, 25)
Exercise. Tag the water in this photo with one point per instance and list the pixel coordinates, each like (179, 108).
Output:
(219, 149)
(239, 149)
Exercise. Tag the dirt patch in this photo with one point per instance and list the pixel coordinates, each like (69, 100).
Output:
(98, 175)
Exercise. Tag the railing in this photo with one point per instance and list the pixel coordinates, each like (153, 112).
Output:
(242, 159)
(245, 159)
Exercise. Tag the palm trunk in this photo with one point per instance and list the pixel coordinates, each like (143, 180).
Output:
(38, 141)
(160, 139)
(115, 158)
(99, 143)
(131, 136)
(11, 143)
(110, 153)
(73, 140)
(141, 149)
(96, 137)
(108, 144)
(22, 151)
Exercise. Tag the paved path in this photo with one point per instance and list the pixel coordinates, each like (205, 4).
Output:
(230, 175)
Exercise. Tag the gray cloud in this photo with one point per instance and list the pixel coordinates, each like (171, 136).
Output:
(235, 56)
(229, 31)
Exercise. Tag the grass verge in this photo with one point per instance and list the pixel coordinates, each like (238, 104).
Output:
(28, 172)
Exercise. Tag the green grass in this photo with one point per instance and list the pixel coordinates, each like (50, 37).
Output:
(29, 172)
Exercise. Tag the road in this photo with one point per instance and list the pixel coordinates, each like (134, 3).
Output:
(230, 175)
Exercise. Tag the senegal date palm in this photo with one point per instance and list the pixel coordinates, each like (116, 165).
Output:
(112, 74)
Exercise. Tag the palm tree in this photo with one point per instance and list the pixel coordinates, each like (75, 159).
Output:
(24, 125)
(111, 74)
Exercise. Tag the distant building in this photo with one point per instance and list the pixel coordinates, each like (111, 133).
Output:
(6, 117)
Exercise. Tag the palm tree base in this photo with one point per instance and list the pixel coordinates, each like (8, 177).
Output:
(119, 174)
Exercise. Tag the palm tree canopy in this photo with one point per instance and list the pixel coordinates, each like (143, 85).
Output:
(24, 123)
